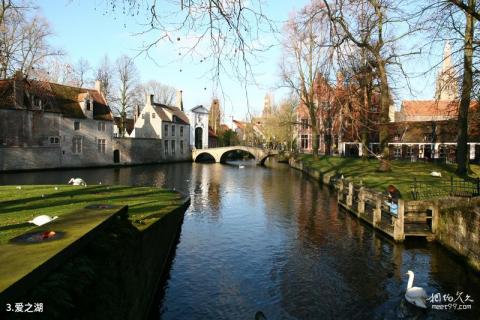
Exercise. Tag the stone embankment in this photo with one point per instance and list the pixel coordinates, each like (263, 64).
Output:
(453, 222)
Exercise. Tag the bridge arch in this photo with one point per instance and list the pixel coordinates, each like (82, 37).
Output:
(218, 153)
(224, 155)
(205, 157)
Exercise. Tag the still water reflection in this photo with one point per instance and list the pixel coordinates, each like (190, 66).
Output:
(272, 240)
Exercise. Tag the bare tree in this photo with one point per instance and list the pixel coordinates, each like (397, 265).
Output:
(228, 36)
(82, 70)
(163, 93)
(127, 81)
(467, 86)
(375, 26)
(455, 21)
(105, 74)
(23, 40)
(56, 69)
(307, 58)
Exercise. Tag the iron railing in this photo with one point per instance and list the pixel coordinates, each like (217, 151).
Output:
(456, 187)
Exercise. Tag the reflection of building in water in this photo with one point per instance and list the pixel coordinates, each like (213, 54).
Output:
(207, 190)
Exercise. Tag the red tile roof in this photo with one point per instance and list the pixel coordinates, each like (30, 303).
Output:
(179, 114)
(446, 108)
(239, 124)
(56, 98)
(211, 133)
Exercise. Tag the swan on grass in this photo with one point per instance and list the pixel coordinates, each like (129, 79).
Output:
(77, 182)
(415, 295)
(41, 220)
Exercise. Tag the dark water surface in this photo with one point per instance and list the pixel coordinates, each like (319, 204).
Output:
(272, 240)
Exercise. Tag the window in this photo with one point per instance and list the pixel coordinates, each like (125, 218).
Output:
(374, 109)
(101, 145)
(396, 137)
(54, 140)
(181, 131)
(173, 130)
(101, 126)
(88, 105)
(442, 152)
(304, 141)
(165, 130)
(173, 146)
(397, 151)
(76, 144)
(143, 115)
(153, 115)
(76, 125)
(166, 147)
(409, 151)
(304, 123)
(427, 137)
(37, 103)
(181, 145)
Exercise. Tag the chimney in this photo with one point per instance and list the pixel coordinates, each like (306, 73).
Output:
(149, 98)
(179, 100)
(98, 85)
(18, 89)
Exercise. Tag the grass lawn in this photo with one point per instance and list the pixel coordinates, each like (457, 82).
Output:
(401, 175)
(18, 206)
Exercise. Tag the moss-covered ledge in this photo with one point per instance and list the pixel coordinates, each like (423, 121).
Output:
(107, 265)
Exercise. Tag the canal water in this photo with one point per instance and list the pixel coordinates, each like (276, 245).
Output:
(272, 240)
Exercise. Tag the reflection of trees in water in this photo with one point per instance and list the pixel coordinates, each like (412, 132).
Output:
(334, 253)
(214, 197)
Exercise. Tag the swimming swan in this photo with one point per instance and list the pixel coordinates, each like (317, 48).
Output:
(415, 295)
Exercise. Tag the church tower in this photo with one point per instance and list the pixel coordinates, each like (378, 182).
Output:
(446, 84)
(215, 116)
(267, 105)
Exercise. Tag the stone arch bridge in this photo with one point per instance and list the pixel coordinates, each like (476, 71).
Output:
(219, 154)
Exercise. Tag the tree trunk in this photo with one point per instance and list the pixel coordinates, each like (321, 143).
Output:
(384, 112)
(314, 129)
(462, 137)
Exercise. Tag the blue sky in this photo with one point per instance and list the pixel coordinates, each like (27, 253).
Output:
(82, 29)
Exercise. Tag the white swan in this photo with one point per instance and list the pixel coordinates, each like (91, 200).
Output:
(241, 166)
(77, 182)
(415, 295)
(43, 219)
(435, 174)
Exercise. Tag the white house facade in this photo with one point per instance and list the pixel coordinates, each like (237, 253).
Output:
(198, 117)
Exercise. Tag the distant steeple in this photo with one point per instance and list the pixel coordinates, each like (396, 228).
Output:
(446, 84)
(267, 105)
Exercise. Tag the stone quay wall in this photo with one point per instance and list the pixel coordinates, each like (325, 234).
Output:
(455, 222)
(458, 228)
